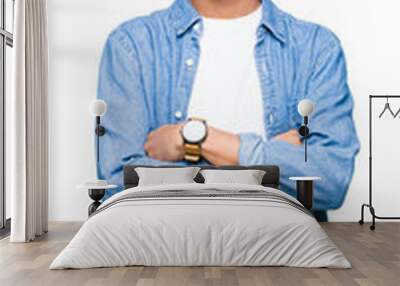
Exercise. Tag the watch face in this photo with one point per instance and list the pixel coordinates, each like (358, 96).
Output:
(194, 131)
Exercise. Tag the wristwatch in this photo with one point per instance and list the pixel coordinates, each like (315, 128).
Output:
(194, 133)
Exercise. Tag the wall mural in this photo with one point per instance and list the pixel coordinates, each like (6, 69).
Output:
(188, 85)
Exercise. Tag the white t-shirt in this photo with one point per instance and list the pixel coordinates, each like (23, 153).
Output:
(226, 90)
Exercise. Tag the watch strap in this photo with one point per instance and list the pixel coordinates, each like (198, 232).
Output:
(192, 152)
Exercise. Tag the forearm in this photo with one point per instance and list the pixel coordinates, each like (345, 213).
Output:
(221, 148)
(333, 164)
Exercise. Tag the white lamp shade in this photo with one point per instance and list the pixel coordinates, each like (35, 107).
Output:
(305, 107)
(98, 107)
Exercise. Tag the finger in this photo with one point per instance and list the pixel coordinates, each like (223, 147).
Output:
(278, 137)
(292, 132)
(297, 142)
(155, 155)
(151, 154)
(147, 146)
(289, 138)
(283, 136)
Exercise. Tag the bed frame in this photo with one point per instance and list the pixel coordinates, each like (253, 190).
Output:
(270, 179)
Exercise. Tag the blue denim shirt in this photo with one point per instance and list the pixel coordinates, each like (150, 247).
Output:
(146, 81)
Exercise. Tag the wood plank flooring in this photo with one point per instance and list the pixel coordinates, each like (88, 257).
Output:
(375, 257)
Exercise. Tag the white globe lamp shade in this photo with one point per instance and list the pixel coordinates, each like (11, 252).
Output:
(98, 107)
(305, 107)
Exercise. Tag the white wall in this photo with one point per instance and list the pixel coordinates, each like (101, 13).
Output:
(77, 30)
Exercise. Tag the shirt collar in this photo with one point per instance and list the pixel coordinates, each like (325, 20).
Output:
(184, 15)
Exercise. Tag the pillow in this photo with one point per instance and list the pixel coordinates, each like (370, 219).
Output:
(248, 177)
(166, 176)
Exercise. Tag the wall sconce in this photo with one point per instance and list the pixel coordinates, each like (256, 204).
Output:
(98, 108)
(305, 108)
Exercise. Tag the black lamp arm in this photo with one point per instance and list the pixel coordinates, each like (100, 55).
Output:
(100, 131)
(304, 131)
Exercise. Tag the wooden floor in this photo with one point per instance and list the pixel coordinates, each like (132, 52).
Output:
(375, 257)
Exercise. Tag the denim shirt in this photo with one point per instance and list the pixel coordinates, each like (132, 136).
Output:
(146, 77)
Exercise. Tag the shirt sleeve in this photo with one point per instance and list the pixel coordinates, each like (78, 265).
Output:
(332, 143)
(127, 121)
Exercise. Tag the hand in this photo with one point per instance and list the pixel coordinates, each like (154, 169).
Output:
(165, 143)
(291, 137)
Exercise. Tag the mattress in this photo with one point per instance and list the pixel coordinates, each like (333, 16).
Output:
(201, 225)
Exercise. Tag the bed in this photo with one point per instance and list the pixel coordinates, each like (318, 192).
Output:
(201, 224)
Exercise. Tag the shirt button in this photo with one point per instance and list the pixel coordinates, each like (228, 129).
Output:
(189, 62)
(178, 114)
(196, 27)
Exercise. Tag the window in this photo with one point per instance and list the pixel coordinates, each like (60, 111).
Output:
(6, 44)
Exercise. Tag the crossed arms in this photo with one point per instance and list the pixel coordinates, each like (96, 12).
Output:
(135, 136)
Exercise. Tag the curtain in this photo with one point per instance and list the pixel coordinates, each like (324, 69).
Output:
(29, 123)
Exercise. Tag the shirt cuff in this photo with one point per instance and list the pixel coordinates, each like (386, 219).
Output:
(251, 151)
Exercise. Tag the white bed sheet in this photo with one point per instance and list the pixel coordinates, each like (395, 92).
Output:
(200, 232)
